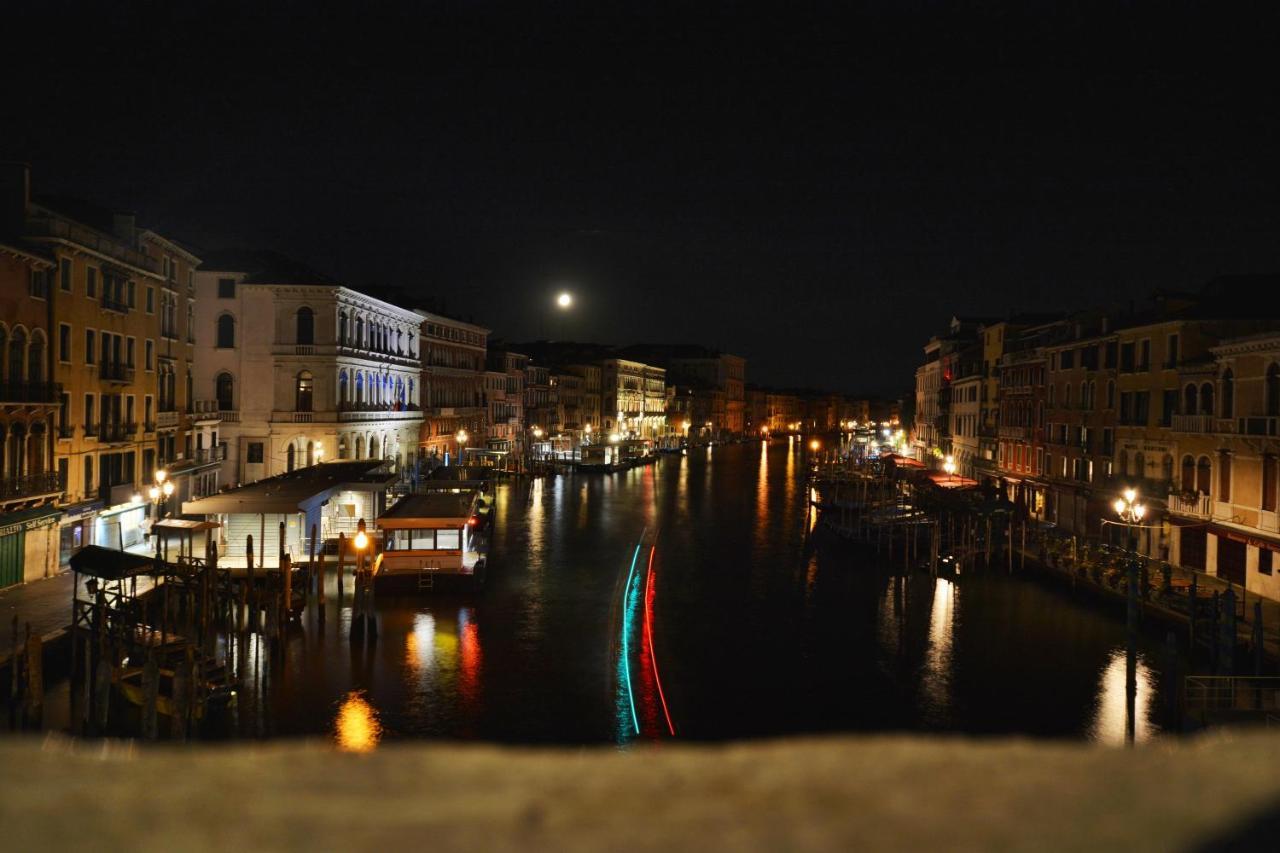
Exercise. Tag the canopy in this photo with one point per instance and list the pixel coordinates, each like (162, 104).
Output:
(109, 564)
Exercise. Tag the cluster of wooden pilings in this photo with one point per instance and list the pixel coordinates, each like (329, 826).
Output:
(868, 504)
(158, 659)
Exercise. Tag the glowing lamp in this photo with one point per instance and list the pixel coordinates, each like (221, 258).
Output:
(361, 540)
(167, 488)
(1119, 506)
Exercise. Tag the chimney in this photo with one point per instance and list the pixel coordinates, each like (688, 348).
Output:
(15, 197)
(122, 224)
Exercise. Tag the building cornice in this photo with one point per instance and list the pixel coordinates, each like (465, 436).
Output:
(1266, 343)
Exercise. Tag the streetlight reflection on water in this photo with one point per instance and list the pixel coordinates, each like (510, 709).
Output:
(357, 728)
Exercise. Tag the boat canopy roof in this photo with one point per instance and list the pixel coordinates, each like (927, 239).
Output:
(109, 564)
(433, 509)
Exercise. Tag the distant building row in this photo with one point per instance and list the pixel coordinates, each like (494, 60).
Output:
(124, 353)
(1181, 402)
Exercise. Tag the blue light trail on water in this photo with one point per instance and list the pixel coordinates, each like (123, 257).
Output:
(626, 632)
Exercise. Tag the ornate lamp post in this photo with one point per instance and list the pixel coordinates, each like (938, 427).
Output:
(159, 494)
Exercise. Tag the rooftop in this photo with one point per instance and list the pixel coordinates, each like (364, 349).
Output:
(443, 505)
(263, 266)
(287, 493)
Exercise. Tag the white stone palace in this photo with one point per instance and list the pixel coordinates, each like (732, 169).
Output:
(301, 368)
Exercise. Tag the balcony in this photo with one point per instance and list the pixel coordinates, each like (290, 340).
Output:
(166, 420)
(30, 392)
(63, 229)
(66, 431)
(1197, 506)
(1269, 425)
(208, 411)
(30, 486)
(114, 304)
(1015, 432)
(149, 426)
(294, 417)
(349, 415)
(117, 432)
(116, 373)
(90, 430)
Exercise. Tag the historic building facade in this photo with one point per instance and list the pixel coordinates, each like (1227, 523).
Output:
(454, 403)
(300, 369)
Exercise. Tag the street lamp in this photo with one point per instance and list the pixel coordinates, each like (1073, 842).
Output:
(949, 465)
(159, 493)
(1131, 513)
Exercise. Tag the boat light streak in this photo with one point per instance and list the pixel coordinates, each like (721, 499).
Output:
(626, 631)
(648, 632)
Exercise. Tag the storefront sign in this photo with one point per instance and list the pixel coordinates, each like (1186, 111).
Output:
(1249, 540)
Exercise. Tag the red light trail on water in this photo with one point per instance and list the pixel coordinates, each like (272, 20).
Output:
(648, 634)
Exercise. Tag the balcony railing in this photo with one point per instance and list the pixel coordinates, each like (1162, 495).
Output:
(205, 455)
(108, 372)
(1269, 425)
(32, 485)
(30, 392)
(90, 430)
(49, 226)
(66, 430)
(165, 420)
(148, 426)
(117, 432)
(1019, 432)
(1200, 506)
(114, 304)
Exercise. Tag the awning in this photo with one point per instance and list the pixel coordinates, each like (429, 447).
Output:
(184, 525)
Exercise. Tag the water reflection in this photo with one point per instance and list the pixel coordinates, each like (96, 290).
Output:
(935, 681)
(1110, 714)
(356, 728)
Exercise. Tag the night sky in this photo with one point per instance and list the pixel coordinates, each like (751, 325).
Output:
(817, 194)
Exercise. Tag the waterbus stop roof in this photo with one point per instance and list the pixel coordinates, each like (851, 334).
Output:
(432, 509)
(296, 491)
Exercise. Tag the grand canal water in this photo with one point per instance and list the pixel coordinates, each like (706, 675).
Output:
(752, 622)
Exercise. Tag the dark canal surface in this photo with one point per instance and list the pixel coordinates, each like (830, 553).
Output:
(751, 622)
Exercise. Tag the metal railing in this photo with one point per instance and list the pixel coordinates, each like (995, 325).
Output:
(1232, 693)
(30, 392)
(31, 485)
(49, 226)
(109, 372)
(165, 420)
(114, 304)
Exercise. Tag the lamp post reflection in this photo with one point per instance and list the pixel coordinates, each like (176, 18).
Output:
(1131, 513)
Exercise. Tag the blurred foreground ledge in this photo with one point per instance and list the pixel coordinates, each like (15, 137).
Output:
(1213, 792)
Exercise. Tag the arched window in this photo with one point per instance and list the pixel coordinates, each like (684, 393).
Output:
(1228, 393)
(1206, 399)
(1124, 463)
(1188, 474)
(1111, 394)
(1189, 400)
(1093, 394)
(343, 390)
(1203, 472)
(1166, 469)
(289, 459)
(1272, 390)
(1066, 396)
(226, 337)
(1051, 396)
(342, 447)
(1084, 395)
(1139, 464)
(303, 394)
(359, 388)
(359, 442)
(35, 358)
(342, 328)
(222, 389)
(16, 462)
(360, 332)
(311, 453)
(17, 355)
(373, 447)
(413, 401)
(306, 323)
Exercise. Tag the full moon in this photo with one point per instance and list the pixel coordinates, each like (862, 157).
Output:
(564, 300)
